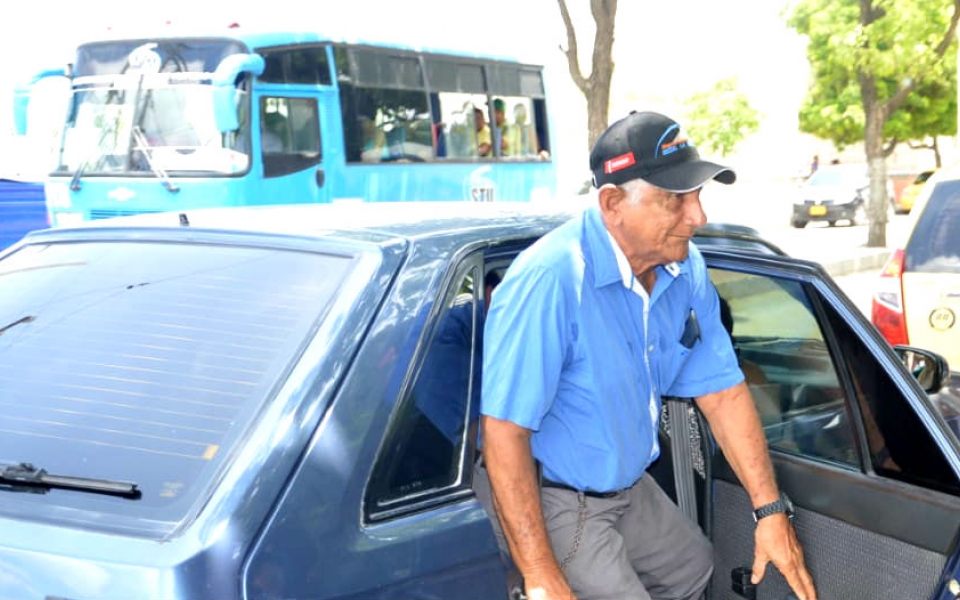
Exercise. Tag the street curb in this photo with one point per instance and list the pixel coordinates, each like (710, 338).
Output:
(857, 264)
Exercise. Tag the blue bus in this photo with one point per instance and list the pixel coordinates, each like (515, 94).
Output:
(244, 118)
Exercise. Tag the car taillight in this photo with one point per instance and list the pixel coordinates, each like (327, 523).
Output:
(887, 305)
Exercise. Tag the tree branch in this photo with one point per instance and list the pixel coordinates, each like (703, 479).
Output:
(889, 146)
(901, 95)
(573, 61)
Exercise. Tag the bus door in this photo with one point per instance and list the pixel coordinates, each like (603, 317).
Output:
(288, 145)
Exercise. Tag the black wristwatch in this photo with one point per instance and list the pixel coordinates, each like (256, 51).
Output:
(781, 505)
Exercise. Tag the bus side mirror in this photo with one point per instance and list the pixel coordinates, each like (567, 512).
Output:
(225, 92)
(21, 98)
(929, 368)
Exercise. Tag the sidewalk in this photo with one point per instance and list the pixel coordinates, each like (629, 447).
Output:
(853, 259)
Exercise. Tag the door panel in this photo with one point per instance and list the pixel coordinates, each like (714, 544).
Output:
(854, 442)
(846, 560)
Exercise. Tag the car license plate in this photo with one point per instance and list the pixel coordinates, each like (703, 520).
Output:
(818, 210)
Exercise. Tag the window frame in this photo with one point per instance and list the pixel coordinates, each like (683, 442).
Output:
(375, 509)
(278, 164)
(822, 290)
(500, 78)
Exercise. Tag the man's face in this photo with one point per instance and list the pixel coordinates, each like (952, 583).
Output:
(498, 115)
(658, 227)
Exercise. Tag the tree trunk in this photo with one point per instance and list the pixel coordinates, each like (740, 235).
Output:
(936, 152)
(596, 87)
(877, 163)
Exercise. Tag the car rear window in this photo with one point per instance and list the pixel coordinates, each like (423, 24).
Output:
(934, 245)
(147, 362)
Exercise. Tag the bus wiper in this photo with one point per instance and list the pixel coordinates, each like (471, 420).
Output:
(26, 477)
(75, 180)
(144, 146)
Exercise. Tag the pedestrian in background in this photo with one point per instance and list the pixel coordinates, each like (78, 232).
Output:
(588, 329)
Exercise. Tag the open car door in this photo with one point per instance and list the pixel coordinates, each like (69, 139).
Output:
(871, 467)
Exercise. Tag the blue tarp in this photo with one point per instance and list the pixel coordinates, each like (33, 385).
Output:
(22, 209)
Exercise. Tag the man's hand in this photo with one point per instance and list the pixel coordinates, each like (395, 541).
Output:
(777, 542)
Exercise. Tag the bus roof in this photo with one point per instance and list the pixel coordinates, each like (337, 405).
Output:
(255, 37)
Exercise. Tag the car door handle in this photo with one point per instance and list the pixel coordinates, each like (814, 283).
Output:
(321, 177)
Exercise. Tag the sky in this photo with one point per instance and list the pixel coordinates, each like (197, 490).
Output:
(663, 51)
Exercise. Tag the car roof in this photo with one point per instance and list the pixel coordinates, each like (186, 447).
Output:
(370, 222)
(382, 223)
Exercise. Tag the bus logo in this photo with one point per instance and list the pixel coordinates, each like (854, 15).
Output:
(482, 194)
(144, 59)
(121, 194)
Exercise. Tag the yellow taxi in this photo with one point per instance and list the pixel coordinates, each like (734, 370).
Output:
(908, 195)
(917, 301)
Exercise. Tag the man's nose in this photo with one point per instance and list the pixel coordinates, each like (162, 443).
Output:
(693, 209)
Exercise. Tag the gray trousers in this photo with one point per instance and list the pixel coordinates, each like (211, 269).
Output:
(636, 545)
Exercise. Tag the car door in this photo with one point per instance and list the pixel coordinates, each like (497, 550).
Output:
(870, 466)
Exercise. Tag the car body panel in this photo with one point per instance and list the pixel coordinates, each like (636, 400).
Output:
(927, 296)
(932, 306)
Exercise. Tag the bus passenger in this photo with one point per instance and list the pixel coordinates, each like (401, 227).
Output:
(484, 145)
(502, 131)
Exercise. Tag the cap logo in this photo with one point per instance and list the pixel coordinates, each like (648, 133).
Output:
(668, 144)
(618, 163)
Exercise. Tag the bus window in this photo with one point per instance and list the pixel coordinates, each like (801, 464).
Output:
(289, 135)
(390, 125)
(515, 128)
(306, 65)
(460, 129)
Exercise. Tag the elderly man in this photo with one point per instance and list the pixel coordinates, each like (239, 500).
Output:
(589, 327)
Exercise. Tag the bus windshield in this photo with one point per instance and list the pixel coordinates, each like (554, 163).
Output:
(139, 124)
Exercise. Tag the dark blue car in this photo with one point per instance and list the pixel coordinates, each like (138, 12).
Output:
(281, 403)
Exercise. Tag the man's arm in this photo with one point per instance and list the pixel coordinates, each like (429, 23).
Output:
(736, 426)
(516, 495)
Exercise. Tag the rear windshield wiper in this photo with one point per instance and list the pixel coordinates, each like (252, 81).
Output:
(26, 477)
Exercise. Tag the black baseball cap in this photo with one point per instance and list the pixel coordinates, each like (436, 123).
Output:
(652, 147)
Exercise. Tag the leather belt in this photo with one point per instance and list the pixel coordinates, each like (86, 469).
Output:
(547, 483)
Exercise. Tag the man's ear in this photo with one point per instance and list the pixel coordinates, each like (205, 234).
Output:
(610, 198)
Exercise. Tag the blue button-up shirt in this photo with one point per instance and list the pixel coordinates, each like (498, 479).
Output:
(568, 356)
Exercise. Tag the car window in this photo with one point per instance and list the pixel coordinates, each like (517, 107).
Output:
(147, 362)
(787, 365)
(421, 457)
(798, 384)
(900, 445)
(839, 176)
(934, 245)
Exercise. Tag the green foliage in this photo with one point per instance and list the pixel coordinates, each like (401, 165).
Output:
(896, 47)
(720, 118)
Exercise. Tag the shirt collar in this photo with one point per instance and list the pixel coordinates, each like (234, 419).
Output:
(623, 265)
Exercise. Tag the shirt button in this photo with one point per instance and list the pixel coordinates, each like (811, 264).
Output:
(650, 349)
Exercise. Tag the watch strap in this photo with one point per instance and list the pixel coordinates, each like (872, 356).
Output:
(780, 505)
